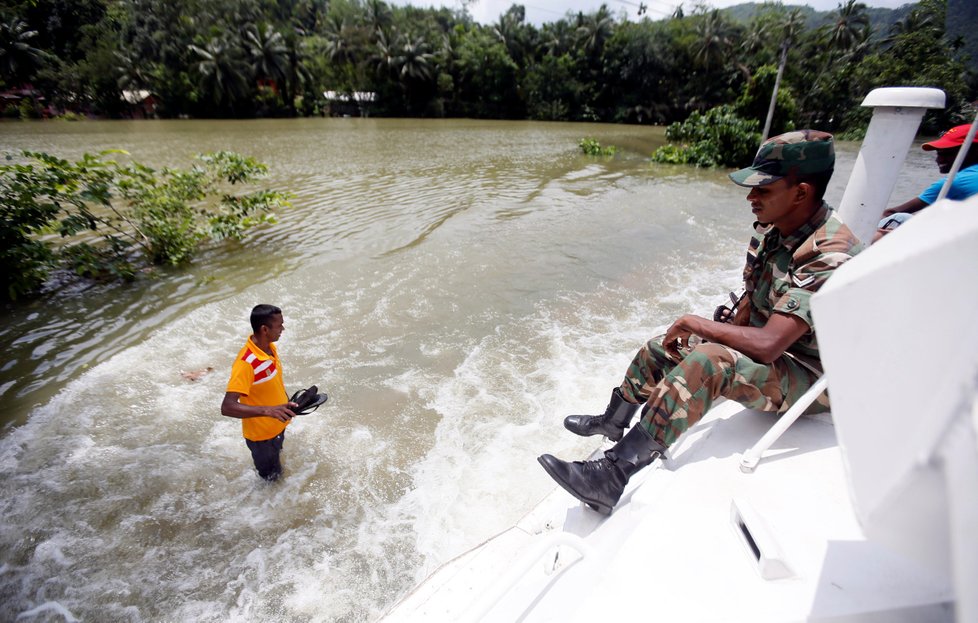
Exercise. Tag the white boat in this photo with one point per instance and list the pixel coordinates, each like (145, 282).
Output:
(867, 515)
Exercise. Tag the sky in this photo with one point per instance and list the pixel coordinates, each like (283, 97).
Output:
(540, 11)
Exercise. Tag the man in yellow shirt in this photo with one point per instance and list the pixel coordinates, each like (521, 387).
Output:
(256, 392)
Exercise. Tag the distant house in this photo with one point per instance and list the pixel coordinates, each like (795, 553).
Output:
(343, 104)
(142, 104)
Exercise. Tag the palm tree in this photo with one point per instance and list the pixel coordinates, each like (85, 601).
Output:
(268, 52)
(298, 71)
(714, 40)
(850, 26)
(130, 74)
(414, 62)
(846, 41)
(224, 75)
(377, 14)
(594, 29)
(756, 38)
(912, 22)
(512, 31)
(384, 54)
(414, 67)
(18, 58)
(340, 41)
(445, 55)
(790, 26)
(556, 37)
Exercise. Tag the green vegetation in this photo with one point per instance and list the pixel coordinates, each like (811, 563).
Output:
(592, 147)
(717, 138)
(103, 220)
(247, 58)
(728, 135)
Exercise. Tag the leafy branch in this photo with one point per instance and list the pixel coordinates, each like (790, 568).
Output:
(114, 219)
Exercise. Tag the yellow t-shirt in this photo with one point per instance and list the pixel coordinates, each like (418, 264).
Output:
(257, 376)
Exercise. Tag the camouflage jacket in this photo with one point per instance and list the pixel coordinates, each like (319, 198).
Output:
(782, 272)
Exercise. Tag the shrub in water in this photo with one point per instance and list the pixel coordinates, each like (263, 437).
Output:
(717, 138)
(592, 147)
(114, 217)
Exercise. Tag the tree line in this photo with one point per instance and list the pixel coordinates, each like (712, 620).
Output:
(247, 58)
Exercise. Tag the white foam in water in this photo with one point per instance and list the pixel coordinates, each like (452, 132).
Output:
(504, 407)
(50, 607)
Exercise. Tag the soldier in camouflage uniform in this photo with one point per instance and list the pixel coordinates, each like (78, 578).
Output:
(762, 354)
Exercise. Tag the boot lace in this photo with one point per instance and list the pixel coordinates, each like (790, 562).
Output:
(600, 465)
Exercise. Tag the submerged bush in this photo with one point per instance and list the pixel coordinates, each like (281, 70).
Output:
(717, 138)
(114, 219)
(592, 147)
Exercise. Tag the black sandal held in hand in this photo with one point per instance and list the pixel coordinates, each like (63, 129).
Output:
(307, 400)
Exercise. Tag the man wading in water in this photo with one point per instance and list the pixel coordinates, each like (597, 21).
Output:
(762, 354)
(256, 392)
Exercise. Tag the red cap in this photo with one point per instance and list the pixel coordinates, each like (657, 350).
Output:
(950, 139)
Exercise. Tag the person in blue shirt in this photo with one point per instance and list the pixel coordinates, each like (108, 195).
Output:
(965, 183)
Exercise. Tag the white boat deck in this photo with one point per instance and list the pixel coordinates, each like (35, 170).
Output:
(673, 534)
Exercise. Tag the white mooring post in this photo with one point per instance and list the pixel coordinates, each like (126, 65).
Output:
(896, 117)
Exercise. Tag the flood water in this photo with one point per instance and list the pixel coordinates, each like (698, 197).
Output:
(456, 286)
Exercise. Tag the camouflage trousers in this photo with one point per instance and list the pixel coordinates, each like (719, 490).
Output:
(678, 394)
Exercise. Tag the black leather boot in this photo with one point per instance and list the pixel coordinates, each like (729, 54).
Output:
(599, 484)
(612, 424)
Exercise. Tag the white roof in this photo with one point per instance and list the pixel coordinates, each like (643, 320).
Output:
(344, 96)
(134, 97)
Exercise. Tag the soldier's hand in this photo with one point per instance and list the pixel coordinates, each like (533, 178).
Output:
(677, 339)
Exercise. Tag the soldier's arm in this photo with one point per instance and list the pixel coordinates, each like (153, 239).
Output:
(762, 344)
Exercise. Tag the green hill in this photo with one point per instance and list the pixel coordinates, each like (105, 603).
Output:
(880, 19)
(962, 20)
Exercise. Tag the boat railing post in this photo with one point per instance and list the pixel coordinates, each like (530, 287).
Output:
(753, 456)
(897, 112)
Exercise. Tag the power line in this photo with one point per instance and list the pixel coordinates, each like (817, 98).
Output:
(643, 7)
(670, 9)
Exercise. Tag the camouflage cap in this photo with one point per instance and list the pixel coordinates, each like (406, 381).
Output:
(799, 152)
